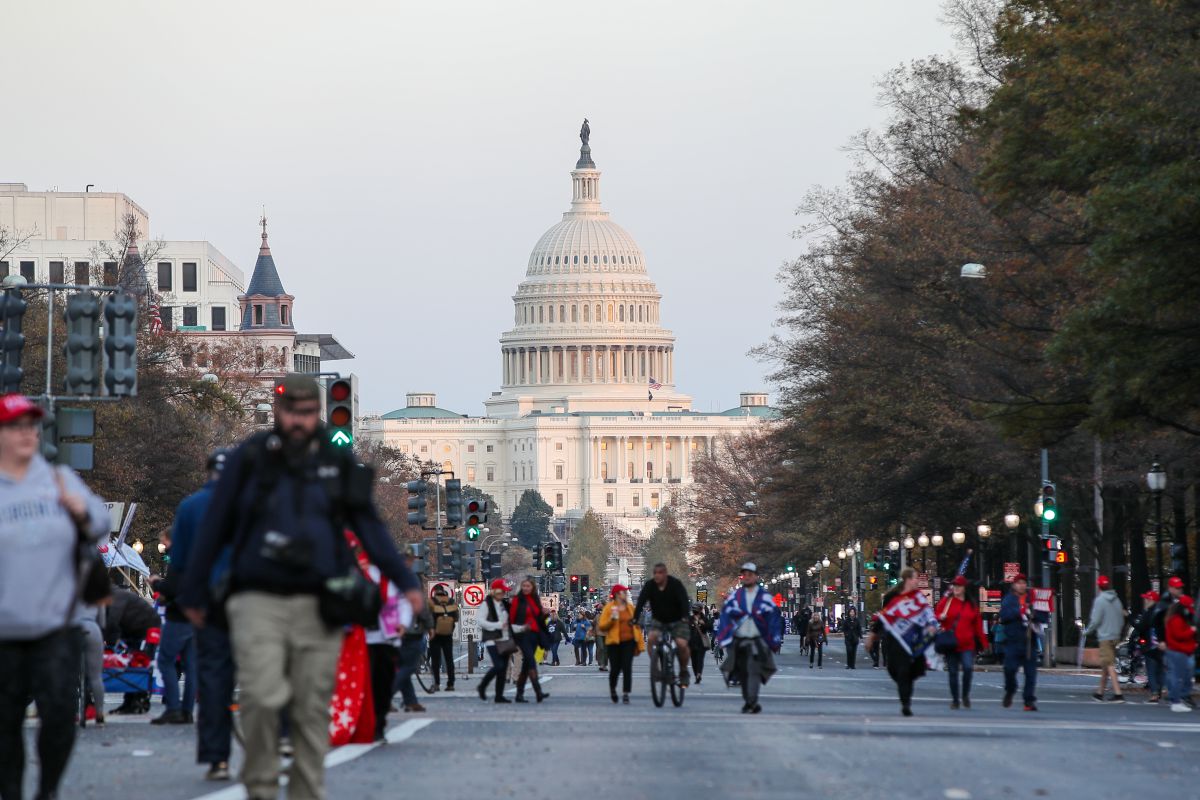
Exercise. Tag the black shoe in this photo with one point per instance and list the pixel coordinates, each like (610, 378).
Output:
(1117, 698)
(502, 699)
(188, 718)
(625, 699)
(435, 689)
(542, 696)
(449, 687)
(218, 772)
(756, 709)
(746, 708)
(906, 711)
(1099, 698)
(954, 705)
(966, 702)
(482, 692)
(170, 718)
(1007, 702)
(613, 695)
(519, 699)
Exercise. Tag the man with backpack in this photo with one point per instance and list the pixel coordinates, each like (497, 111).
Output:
(283, 504)
(445, 618)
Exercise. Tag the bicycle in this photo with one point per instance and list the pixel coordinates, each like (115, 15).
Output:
(424, 673)
(718, 652)
(662, 671)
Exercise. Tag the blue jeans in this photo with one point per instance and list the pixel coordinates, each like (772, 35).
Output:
(411, 650)
(215, 678)
(178, 639)
(1014, 659)
(1154, 671)
(966, 662)
(1179, 675)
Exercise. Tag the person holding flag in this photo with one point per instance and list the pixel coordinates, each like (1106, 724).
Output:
(907, 625)
(750, 619)
(1022, 641)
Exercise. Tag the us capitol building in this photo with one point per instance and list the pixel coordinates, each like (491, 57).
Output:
(588, 413)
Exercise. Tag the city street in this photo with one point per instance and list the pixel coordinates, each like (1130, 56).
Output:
(822, 733)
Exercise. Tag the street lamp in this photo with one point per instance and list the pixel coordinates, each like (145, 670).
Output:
(842, 555)
(893, 545)
(937, 540)
(984, 530)
(959, 536)
(138, 547)
(1012, 520)
(825, 561)
(909, 543)
(923, 541)
(1156, 480)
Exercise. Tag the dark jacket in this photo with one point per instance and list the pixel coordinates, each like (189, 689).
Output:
(852, 628)
(669, 604)
(265, 496)
(129, 618)
(554, 627)
(1015, 623)
(188, 517)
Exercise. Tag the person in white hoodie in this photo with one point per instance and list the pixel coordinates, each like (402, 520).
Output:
(496, 633)
(1108, 623)
(46, 514)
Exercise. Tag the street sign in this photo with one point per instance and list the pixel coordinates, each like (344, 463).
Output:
(923, 581)
(550, 602)
(989, 600)
(116, 512)
(468, 625)
(447, 585)
(702, 595)
(473, 595)
(1011, 570)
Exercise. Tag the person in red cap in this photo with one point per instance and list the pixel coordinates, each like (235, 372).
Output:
(47, 513)
(1180, 652)
(497, 637)
(958, 613)
(621, 638)
(1107, 621)
(1174, 593)
(1023, 627)
(1147, 643)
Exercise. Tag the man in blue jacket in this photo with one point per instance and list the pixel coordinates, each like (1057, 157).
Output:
(751, 622)
(1023, 631)
(283, 504)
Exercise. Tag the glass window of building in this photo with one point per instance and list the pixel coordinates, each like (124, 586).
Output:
(191, 315)
(83, 273)
(189, 277)
(218, 318)
(164, 276)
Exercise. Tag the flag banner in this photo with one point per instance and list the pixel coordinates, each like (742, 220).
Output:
(911, 620)
(655, 385)
(962, 568)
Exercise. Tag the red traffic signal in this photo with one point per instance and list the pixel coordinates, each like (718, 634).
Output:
(574, 580)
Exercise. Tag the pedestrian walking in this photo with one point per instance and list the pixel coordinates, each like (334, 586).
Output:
(383, 643)
(958, 614)
(906, 624)
(527, 620)
(622, 638)
(554, 628)
(1023, 627)
(497, 638)
(700, 640)
(579, 639)
(815, 636)
(874, 644)
(416, 627)
(1147, 642)
(800, 626)
(47, 515)
(601, 648)
(751, 624)
(589, 639)
(1107, 621)
(441, 645)
(1179, 649)
(90, 621)
(282, 505)
(852, 632)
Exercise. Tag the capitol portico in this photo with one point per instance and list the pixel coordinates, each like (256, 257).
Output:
(588, 413)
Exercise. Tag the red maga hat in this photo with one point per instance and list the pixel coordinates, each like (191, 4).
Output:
(1103, 582)
(15, 406)
(1020, 576)
(960, 580)
(1175, 582)
(618, 588)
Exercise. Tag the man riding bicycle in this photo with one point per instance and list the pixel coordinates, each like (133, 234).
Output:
(670, 611)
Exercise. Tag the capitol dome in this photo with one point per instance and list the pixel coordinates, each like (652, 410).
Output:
(587, 334)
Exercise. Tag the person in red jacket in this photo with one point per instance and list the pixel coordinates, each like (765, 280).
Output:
(1180, 652)
(956, 612)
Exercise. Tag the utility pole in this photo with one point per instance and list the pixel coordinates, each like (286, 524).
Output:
(1051, 637)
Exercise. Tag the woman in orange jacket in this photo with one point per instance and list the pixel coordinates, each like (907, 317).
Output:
(622, 638)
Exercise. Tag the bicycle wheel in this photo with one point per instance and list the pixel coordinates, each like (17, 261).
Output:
(425, 674)
(659, 675)
(676, 689)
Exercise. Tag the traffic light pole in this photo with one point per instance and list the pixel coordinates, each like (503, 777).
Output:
(1051, 637)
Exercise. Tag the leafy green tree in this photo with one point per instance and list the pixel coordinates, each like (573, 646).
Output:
(589, 551)
(668, 545)
(531, 519)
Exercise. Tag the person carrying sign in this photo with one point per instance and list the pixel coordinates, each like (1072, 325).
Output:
(907, 625)
(1022, 641)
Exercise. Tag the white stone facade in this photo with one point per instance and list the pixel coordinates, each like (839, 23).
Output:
(588, 413)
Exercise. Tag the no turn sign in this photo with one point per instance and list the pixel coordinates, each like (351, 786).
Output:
(473, 595)
(447, 585)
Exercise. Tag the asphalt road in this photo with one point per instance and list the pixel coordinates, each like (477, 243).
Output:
(830, 733)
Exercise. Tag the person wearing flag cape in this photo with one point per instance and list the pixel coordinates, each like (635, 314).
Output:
(751, 631)
(907, 625)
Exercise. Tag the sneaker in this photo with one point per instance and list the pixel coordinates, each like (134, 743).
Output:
(1031, 706)
(1007, 702)
(746, 708)
(625, 699)
(697, 678)
(1152, 698)
(1099, 698)
(1117, 698)
(100, 721)
(415, 708)
(1180, 707)
(218, 772)
(954, 705)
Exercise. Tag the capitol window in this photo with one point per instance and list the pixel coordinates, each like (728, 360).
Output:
(558, 445)
(489, 448)
(637, 500)
(558, 472)
(558, 501)
(556, 259)
(562, 313)
(491, 474)
(576, 259)
(604, 445)
(610, 312)
(606, 259)
(622, 313)
(470, 448)
(585, 259)
(552, 313)
(586, 314)
(470, 474)
(574, 313)
(609, 500)
(424, 448)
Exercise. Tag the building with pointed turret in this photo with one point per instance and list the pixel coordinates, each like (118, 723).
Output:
(588, 412)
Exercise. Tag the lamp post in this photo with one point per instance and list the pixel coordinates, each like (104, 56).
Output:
(923, 543)
(909, 543)
(1156, 480)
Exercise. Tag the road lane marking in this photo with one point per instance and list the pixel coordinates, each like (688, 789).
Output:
(334, 758)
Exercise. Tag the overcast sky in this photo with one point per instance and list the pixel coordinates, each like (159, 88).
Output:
(410, 154)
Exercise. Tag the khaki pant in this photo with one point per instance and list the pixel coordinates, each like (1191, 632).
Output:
(286, 658)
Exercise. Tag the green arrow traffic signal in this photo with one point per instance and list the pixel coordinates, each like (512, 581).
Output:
(340, 438)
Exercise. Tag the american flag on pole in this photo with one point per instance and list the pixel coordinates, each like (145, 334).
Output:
(655, 385)
(156, 323)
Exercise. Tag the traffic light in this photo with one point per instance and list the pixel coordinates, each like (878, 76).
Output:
(556, 555)
(574, 584)
(585, 583)
(1179, 559)
(485, 566)
(560, 583)
(454, 503)
(862, 582)
(537, 558)
(83, 344)
(417, 501)
(549, 564)
(120, 344)
(12, 341)
(872, 583)
(1049, 503)
(49, 440)
(456, 556)
(476, 515)
(791, 567)
(419, 553)
(339, 411)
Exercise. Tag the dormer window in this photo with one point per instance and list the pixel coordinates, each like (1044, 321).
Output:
(258, 314)
(283, 315)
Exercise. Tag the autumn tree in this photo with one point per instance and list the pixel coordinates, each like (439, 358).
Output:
(589, 552)
(530, 520)
(668, 545)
